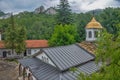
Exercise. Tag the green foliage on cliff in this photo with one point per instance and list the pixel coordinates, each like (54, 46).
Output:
(41, 26)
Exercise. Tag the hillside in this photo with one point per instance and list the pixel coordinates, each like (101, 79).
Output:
(1, 13)
(41, 26)
(97, 11)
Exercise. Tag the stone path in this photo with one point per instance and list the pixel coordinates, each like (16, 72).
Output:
(8, 70)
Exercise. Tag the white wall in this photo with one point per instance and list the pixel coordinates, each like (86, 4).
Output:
(40, 56)
(0, 36)
(34, 78)
(9, 53)
(32, 51)
(28, 71)
(93, 38)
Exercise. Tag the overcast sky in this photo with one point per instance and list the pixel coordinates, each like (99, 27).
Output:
(16, 6)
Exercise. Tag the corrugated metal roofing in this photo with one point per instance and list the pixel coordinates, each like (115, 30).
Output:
(68, 56)
(44, 71)
(87, 68)
(29, 61)
(40, 70)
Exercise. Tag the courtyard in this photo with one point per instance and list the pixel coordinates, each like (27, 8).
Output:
(8, 70)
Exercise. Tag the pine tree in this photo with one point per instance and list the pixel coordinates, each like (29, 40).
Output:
(64, 15)
(20, 40)
(10, 34)
(15, 37)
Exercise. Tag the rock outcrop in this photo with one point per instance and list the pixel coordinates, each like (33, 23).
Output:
(40, 9)
(50, 10)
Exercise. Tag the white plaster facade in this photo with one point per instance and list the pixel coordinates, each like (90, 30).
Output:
(8, 52)
(0, 37)
(32, 51)
(27, 72)
(34, 78)
(45, 58)
(92, 34)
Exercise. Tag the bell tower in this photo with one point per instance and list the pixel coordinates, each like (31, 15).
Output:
(92, 30)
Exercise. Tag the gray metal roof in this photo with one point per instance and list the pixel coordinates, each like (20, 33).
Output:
(41, 70)
(65, 57)
(87, 68)
(44, 71)
(29, 61)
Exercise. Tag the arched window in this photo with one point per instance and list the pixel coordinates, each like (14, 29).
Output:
(4, 54)
(90, 34)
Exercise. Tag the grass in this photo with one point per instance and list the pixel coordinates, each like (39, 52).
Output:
(12, 60)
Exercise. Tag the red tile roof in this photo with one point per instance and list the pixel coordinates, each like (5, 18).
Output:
(31, 44)
(36, 43)
(2, 44)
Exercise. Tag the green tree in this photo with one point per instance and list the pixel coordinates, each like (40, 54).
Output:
(108, 52)
(64, 15)
(109, 18)
(15, 37)
(20, 40)
(63, 35)
(81, 21)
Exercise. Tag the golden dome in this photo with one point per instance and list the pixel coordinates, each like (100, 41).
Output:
(94, 24)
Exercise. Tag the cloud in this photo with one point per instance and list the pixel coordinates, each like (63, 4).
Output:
(76, 5)
(52, 3)
(87, 5)
(19, 5)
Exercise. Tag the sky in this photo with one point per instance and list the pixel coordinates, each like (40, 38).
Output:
(17, 6)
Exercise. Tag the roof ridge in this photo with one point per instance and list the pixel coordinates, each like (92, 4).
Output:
(60, 46)
(68, 56)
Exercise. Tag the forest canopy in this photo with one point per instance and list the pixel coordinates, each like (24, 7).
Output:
(41, 26)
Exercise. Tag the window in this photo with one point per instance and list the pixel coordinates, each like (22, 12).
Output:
(95, 34)
(90, 34)
(35, 50)
(9, 52)
(45, 59)
(29, 51)
(42, 57)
